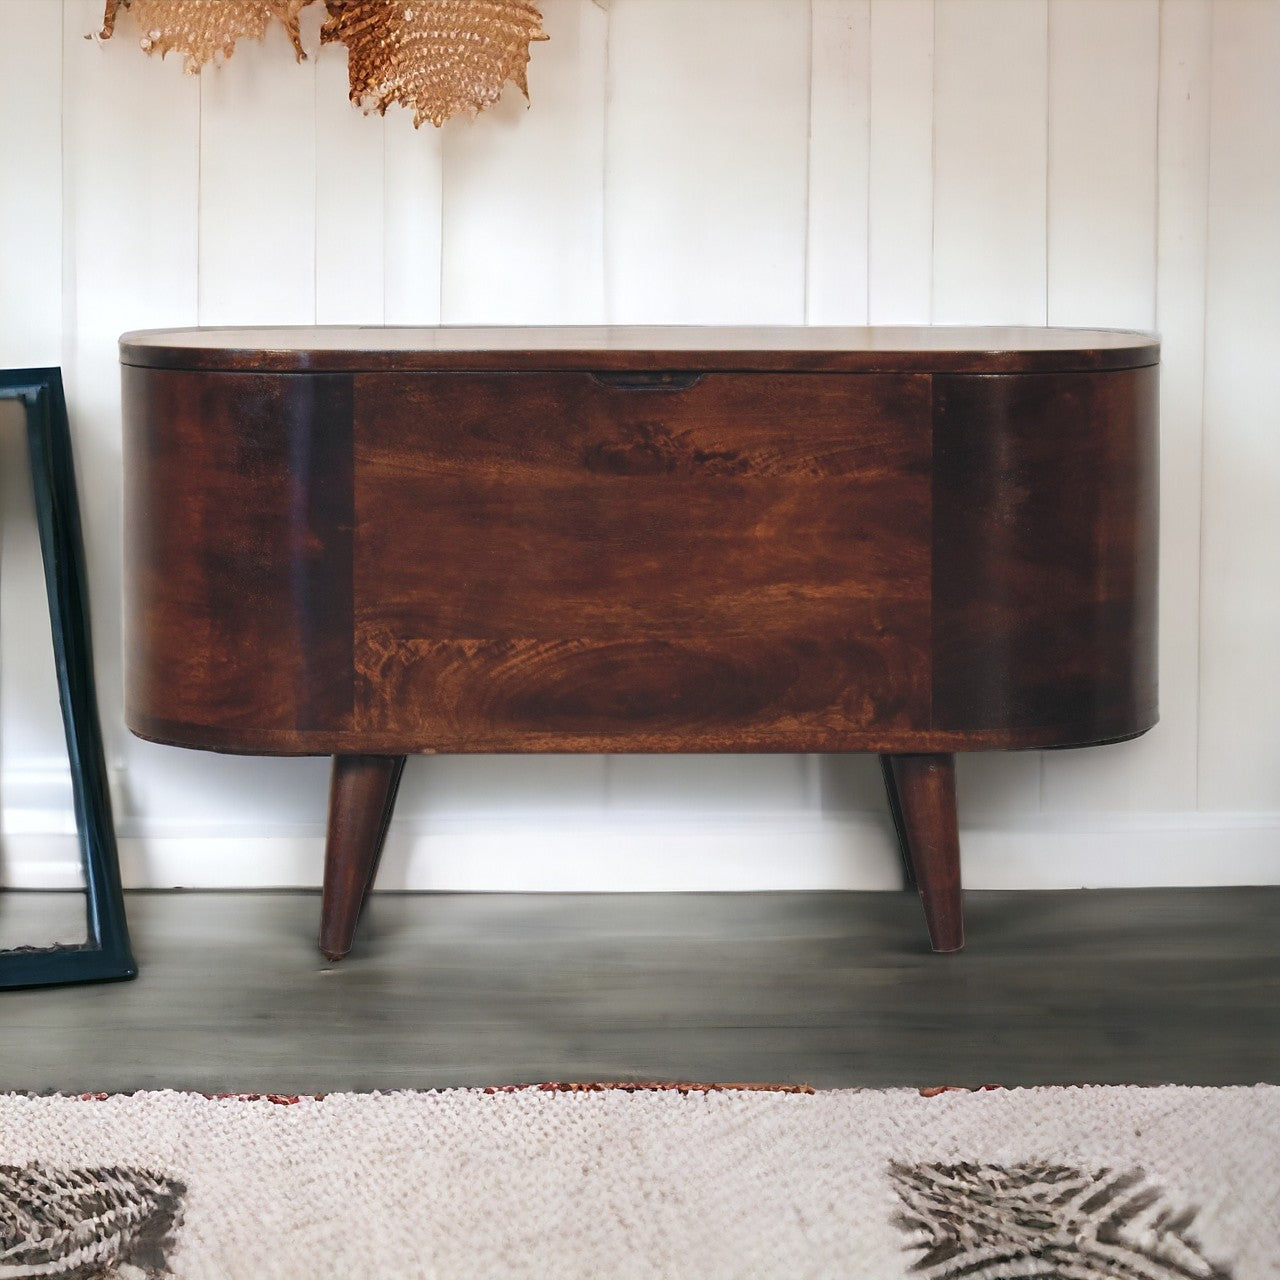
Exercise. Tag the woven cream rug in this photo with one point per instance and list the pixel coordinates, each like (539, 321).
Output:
(1055, 1184)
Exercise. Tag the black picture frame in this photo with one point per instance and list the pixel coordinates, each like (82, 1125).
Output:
(106, 953)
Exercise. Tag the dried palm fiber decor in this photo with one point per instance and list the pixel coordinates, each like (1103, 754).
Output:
(203, 30)
(1062, 1184)
(439, 57)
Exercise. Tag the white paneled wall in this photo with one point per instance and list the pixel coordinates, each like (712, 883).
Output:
(1094, 162)
(837, 257)
(33, 771)
(899, 178)
(1240, 608)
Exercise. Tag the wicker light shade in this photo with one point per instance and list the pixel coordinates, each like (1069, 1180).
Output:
(440, 57)
(200, 30)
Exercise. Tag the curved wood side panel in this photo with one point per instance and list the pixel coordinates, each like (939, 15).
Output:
(1044, 553)
(238, 510)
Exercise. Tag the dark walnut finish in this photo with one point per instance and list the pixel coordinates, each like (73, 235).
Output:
(370, 543)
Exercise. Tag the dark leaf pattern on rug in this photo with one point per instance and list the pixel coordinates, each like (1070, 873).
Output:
(111, 1223)
(1044, 1222)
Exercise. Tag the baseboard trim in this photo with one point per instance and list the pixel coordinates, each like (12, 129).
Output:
(634, 853)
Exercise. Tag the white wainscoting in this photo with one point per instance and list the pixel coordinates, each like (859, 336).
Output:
(1100, 162)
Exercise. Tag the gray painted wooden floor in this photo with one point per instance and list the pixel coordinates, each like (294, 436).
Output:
(831, 989)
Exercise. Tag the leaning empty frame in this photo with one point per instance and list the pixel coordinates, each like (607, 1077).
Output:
(105, 954)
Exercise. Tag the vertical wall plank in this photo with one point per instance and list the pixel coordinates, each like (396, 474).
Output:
(900, 199)
(1185, 44)
(989, 207)
(1104, 64)
(1104, 72)
(524, 187)
(131, 238)
(349, 244)
(412, 198)
(132, 196)
(839, 122)
(31, 334)
(258, 186)
(31, 209)
(1240, 613)
(706, 159)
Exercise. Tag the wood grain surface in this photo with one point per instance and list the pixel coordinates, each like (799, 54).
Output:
(362, 797)
(641, 560)
(630, 567)
(923, 805)
(622, 348)
(837, 990)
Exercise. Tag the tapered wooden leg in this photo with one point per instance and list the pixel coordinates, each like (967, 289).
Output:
(895, 809)
(926, 786)
(362, 794)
